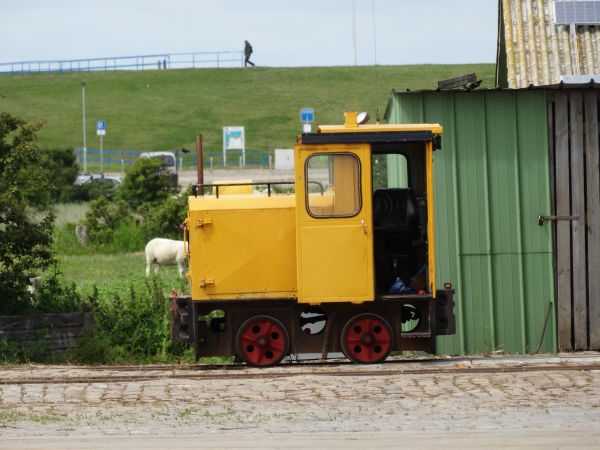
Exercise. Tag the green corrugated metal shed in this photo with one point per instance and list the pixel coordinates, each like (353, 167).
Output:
(492, 181)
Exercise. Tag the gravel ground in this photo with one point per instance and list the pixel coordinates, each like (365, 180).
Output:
(382, 406)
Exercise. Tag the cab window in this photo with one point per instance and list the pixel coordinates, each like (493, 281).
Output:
(333, 185)
(390, 171)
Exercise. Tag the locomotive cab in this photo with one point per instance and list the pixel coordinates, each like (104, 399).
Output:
(365, 220)
(343, 263)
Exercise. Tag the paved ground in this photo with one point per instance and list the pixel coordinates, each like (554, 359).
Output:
(418, 404)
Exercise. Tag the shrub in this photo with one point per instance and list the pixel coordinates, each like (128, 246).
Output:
(93, 190)
(164, 219)
(130, 328)
(146, 181)
(53, 294)
(24, 241)
(12, 352)
(104, 217)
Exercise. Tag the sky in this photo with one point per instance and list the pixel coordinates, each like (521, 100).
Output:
(283, 33)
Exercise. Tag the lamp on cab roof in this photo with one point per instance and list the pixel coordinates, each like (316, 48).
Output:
(353, 119)
(362, 117)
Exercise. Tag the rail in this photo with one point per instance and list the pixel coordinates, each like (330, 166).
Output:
(291, 369)
(199, 188)
(114, 160)
(160, 61)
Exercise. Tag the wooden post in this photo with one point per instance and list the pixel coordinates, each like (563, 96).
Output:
(563, 228)
(578, 227)
(199, 164)
(592, 148)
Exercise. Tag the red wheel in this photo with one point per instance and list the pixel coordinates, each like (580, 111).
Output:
(367, 339)
(262, 341)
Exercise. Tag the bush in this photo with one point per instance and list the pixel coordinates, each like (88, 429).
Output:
(12, 352)
(93, 190)
(24, 241)
(131, 328)
(104, 217)
(146, 181)
(164, 219)
(54, 173)
(111, 227)
(53, 294)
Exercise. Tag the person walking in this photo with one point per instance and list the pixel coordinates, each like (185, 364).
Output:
(247, 53)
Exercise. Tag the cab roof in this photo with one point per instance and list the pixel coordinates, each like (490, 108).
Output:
(351, 131)
(388, 133)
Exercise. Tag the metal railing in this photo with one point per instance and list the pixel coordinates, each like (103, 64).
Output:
(114, 160)
(158, 61)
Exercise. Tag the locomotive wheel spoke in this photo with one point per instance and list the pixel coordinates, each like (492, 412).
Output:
(367, 339)
(262, 341)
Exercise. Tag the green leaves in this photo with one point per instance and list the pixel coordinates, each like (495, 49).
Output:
(146, 181)
(24, 241)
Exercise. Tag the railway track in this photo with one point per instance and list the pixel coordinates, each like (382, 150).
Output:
(124, 374)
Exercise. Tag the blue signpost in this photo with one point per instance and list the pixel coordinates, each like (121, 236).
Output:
(101, 131)
(307, 115)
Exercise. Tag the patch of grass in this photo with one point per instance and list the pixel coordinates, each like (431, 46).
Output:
(49, 417)
(158, 110)
(8, 418)
(113, 274)
(69, 213)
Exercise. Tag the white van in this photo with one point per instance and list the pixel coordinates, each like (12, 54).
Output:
(169, 159)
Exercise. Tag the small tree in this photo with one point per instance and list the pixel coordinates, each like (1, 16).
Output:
(24, 242)
(164, 219)
(61, 168)
(146, 181)
(104, 217)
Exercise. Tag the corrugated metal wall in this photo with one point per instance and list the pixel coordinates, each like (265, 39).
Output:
(491, 182)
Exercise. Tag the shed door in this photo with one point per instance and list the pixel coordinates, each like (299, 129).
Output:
(335, 234)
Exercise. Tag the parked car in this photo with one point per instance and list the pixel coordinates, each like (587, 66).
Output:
(90, 186)
(97, 178)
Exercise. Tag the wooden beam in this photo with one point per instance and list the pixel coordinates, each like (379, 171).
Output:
(468, 81)
(563, 232)
(592, 148)
(578, 228)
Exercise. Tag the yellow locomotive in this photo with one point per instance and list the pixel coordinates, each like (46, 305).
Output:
(342, 260)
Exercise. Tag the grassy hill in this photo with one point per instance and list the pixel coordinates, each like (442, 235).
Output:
(158, 110)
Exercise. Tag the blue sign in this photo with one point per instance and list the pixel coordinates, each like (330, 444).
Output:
(307, 115)
(100, 127)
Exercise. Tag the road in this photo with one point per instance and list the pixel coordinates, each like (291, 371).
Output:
(519, 402)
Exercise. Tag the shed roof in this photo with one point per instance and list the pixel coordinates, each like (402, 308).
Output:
(592, 85)
(532, 50)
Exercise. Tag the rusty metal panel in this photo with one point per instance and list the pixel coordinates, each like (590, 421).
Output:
(492, 181)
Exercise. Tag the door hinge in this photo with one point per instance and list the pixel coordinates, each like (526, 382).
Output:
(206, 281)
(542, 219)
(204, 221)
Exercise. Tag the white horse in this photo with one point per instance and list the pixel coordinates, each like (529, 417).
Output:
(162, 252)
